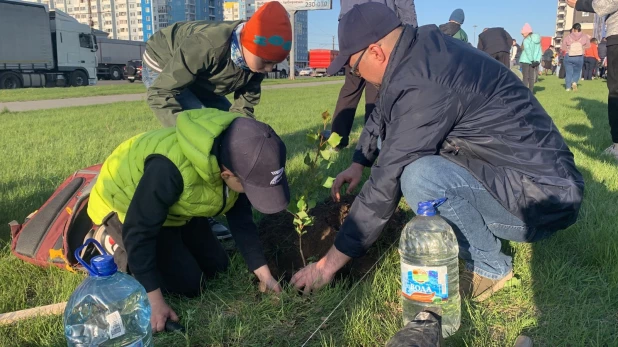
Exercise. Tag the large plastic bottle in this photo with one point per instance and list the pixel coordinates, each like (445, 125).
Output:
(429, 267)
(109, 308)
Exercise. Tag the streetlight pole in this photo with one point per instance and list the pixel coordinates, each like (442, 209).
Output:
(474, 26)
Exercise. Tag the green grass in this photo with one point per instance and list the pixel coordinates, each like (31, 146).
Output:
(31, 94)
(568, 294)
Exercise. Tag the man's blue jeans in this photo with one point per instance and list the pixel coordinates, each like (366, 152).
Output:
(479, 220)
(186, 98)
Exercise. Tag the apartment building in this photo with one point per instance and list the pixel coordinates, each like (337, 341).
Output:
(567, 16)
(136, 20)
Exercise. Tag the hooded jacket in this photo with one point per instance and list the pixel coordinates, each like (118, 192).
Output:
(442, 97)
(495, 40)
(531, 50)
(454, 30)
(578, 37)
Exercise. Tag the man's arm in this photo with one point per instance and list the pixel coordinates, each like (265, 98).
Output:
(180, 72)
(419, 123)
(246, 98)
(406, 12)
(159, 188)
(367, 148)
(245, 233)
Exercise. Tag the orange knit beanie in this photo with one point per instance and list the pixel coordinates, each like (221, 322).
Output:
(268, 34)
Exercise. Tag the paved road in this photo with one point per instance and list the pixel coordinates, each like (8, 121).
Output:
(111, 82)
(20, 106)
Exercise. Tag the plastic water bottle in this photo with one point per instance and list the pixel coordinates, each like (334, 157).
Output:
(109, 308)
(429, 267)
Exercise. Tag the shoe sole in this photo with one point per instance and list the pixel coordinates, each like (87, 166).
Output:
(574, 86)
(224, 237)
(493, 289)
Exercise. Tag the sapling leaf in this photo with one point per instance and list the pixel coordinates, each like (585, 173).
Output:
(329, 182)
(325, 154)
(334, 140)
(301, 204)
(325, 115)
(311, 204)
(298, 221)
(308, 160)
(330, 163)
(311, 137)
(302, 215)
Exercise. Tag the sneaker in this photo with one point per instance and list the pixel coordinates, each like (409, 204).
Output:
(479, 288)
(574, 86)
(220, 231)
(568, 89)
(612, 150)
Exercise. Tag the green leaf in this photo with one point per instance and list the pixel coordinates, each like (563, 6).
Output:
(334, 140)
(301, 204)
(311, 204)
(302, 215)
(513, 282)
(330, 163)
(326, 154)
(309, 222)
(308, 160)
(329, 182)
(297, 221)
(311, 137)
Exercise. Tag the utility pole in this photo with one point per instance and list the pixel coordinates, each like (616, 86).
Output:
(333, 42)
(293, 50)
(90, 21)
(474, 26)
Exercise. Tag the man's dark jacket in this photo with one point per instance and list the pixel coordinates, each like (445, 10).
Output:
(441, 97)
(495, 40)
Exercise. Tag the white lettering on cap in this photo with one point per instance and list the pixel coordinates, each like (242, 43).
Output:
(278, 176)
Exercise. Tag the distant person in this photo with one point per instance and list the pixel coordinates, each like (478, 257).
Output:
(591, 60)
(352, 90)
(602, 52)
(497, 43)
(530, 56)
(191, 65)
(607, 9)
(515, 53)
(548, 57)
(453, 26)
(576, 44)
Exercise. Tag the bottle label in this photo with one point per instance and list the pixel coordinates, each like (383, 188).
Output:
(424, 284)
(116, 328)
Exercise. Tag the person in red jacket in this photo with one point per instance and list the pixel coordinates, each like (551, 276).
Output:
(591, 60)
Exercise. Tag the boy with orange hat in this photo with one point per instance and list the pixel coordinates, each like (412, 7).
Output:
(192, 65)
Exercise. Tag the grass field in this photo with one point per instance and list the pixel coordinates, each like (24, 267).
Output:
(568, 295)
(31, 94)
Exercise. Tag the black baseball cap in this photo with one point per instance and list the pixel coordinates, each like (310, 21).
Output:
(256, 155)
(361, 26)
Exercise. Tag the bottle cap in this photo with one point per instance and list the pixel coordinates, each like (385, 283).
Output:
(428, 208)
(103, 265)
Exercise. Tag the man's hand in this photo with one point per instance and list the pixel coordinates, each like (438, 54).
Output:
(317, 275)
(161, 312)
(311, 277)
(267, 281)
(351, 175)
(572, 3)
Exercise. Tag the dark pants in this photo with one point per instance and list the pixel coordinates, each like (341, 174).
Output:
(612, 84)
(503, 57)
(349, 96)
(530, 74)
(186, 255)
(590, 65)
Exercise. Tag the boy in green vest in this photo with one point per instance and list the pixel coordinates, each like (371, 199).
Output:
(191, 65)
(156, 190)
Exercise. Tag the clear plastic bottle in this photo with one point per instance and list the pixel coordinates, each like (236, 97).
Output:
(429, 267)
(109, 308)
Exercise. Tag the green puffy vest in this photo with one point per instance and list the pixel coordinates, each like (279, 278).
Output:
(188, 146)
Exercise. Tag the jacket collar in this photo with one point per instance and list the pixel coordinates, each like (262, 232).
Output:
(406, 40)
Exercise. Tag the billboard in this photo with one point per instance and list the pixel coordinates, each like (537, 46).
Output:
(299, 5)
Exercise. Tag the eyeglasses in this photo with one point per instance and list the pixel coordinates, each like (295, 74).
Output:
(354, 70)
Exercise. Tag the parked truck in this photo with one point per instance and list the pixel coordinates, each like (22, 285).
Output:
(320, 59)
(41, 48)
(113, 55)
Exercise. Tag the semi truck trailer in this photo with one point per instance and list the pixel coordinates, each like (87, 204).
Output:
(41, 48)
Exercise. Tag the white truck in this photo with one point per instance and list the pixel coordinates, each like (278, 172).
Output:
(41, 48)
(113, 55)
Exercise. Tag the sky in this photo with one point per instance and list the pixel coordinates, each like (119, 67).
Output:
(511, 15)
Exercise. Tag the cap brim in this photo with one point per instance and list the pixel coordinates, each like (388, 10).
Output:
(337, 64)
(269, 200)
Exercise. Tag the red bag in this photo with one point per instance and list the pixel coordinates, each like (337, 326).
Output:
(51, 234)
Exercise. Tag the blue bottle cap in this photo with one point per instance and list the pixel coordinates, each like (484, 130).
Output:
(428, 208)
(103, 265)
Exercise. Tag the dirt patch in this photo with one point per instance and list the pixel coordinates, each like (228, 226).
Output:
(280, 240)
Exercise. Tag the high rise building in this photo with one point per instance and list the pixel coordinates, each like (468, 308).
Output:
(567, 17)
(244, 9)
(136, 20)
